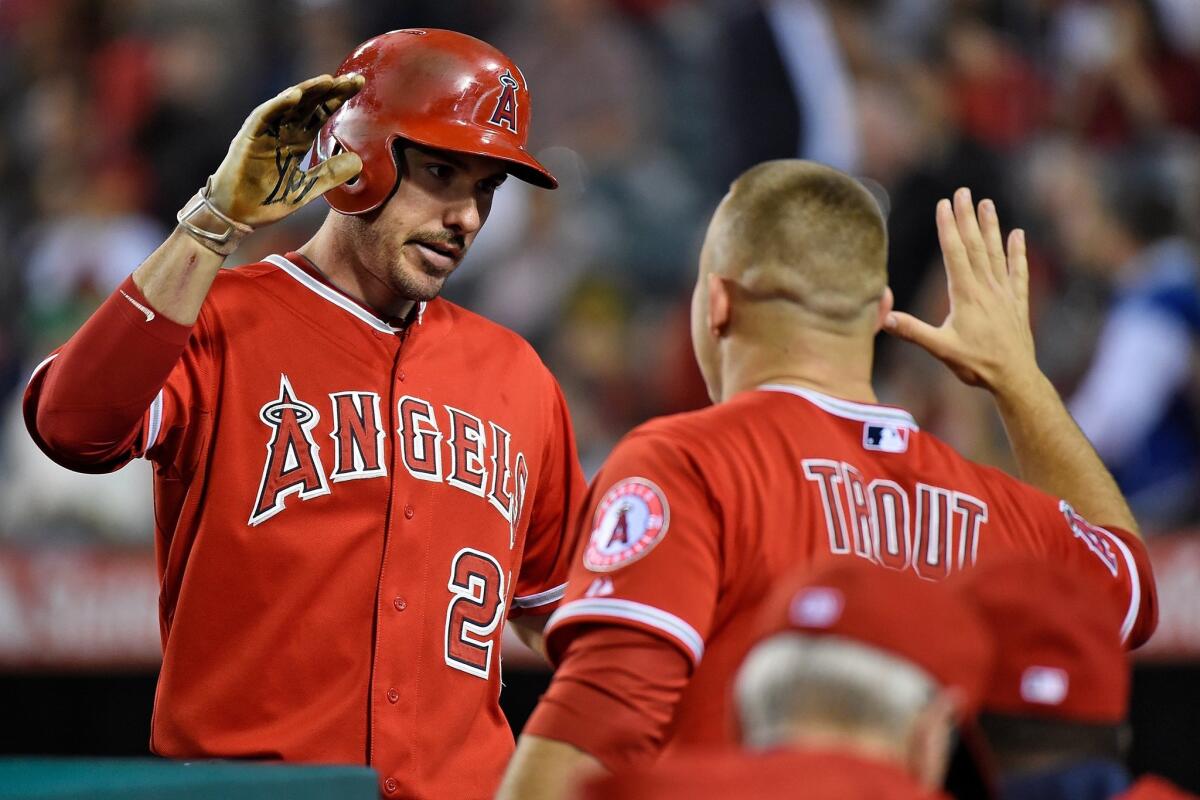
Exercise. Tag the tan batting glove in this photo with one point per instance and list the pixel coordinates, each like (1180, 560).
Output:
(261, 180)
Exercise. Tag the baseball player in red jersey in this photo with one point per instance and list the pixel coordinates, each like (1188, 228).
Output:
(1055, 704)
(357, 482)
(842, 696)
(694, 515)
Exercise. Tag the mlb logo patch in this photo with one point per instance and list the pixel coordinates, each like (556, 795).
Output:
(885, 437)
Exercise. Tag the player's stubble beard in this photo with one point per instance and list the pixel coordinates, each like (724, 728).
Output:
(389, 262)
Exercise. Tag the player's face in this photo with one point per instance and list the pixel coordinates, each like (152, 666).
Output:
(422, 232)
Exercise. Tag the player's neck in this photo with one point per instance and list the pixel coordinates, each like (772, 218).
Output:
(867, 745)
(831, 364)
(342, 267)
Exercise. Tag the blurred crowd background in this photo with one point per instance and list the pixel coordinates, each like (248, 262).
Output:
(1080, 117)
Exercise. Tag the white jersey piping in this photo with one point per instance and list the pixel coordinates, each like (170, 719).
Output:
(664, 621)
(541, 598)
(335, 297)
(861, 412)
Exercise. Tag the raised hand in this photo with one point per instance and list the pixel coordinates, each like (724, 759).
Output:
(986, 338)
(261, 181)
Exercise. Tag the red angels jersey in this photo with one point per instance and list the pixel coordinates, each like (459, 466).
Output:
(347, 513)
(1152, 787)
(733, 775)
(694, 517)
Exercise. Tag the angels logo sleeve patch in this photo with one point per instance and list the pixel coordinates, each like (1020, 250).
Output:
(630, 519)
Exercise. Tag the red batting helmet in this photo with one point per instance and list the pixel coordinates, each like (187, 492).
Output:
(434, 88)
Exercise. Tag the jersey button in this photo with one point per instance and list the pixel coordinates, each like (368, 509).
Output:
(409, 511)
(401, 376)
(393, 696)
(400, 603)
(390, 786)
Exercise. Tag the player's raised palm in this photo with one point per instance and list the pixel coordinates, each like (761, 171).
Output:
(986, 338)
(261, 180)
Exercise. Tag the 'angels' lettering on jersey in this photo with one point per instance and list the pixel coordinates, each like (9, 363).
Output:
(933, 532)
(476, 456)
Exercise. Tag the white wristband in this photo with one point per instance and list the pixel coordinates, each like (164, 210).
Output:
(222, 242)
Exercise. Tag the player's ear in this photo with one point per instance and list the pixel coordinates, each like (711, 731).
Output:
(931, 738)
(887, 302)
(718, 305)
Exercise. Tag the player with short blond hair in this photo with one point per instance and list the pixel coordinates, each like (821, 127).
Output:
(694, 516)
(807, 236)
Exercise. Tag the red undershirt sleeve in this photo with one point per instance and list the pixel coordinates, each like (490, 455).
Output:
(614, 695)
(84, 406)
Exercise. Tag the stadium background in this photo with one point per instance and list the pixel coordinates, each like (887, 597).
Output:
(1080, 117)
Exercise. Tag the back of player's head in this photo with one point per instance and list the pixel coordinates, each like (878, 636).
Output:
(858, 653)
(793, 681)
(804, 233)
(1060, 688)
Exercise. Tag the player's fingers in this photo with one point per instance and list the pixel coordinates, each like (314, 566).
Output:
(338, 94)
(1018, 268)
(267, 115)
(921, 333)
(968, 230)
(315, 90)
(336, 171)
(959, 277)
(989, 226)
(348, 84)
(345, 87)
(271, 114)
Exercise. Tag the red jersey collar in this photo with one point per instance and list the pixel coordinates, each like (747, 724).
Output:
(308, 276)
(849, 409)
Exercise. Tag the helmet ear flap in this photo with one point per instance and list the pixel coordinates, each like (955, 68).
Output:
(373, 186)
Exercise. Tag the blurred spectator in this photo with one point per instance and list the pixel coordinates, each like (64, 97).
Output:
(42, 503)
(1181, 24)
(1136, 400)
(90, 237)
(86, 248)
(997, 96)
(591, 76)
(1124, 78)
(917, 152)
(787, 91)
(327, 31)
(186, 132)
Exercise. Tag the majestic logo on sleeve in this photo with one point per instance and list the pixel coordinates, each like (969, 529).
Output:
(505, 113)
(293, 463)
(631, 519)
